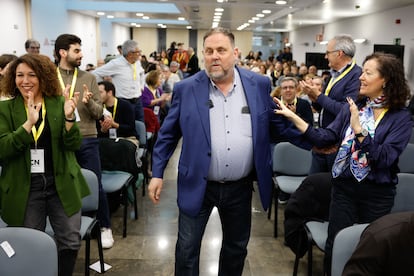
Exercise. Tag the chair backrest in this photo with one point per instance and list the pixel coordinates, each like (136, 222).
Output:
(289, 159)
(406, 160)
(404, 197)
(91, 202)
(35, 252)
(344, 245)
(141, 132)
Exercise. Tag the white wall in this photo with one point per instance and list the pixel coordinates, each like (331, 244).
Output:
(13, 28)
(379, 28)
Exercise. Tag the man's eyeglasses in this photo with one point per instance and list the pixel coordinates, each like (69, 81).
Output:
(288, 87)
(330, 52)
(34, 47)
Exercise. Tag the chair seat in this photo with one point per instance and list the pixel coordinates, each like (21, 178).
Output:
(289, 184)
(319, 232)
(114, 180)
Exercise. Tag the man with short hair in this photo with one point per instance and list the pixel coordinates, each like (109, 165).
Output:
(127, 75)
(118, 118)
(32, 46)
(69, 56)
(343, 83)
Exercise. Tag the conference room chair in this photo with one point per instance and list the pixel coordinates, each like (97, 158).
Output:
(291, 165)
(27, 251)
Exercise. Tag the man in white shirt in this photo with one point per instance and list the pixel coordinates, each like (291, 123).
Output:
(127, 75)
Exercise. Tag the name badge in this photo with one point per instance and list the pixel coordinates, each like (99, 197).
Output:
(77, 115)
(156, 109)
(112, 133)
(37, 157)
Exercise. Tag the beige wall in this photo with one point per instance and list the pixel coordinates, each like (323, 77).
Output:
(147, 40)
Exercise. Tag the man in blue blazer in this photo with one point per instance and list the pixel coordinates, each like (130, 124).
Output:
(223, 115)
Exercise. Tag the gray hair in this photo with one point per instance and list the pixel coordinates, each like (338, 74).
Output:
(282, 80)
(129, 46)
(345, 43)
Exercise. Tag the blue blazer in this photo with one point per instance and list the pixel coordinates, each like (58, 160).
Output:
(188, 118)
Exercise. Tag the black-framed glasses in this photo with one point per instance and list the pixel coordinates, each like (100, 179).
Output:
(330, 52)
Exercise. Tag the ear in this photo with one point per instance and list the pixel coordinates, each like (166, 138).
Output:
(63, 52)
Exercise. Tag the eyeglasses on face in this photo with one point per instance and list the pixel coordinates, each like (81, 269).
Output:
(330, 52)
(288, 87)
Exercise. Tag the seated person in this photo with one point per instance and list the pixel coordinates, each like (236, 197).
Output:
(301, 107)
(309, 202)
(386, 247)
(153, 96)
(118, 118)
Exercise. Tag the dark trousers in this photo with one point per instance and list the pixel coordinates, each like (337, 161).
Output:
(137, 107)
(354, 202)
(233, 202)
(44, 201)
(88, 158)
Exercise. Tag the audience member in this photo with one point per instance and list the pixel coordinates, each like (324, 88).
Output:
(192, 66)
(32, 46)
(171, 51)
(127, 75)
(343, 83)
(313, 70)
(5, 60)
(175, 69)
(374, 131)
(164, 58)
(302, 108)
(38, 124)
(181, 56)
(385, 248)
(118, 118)
(69, 56)
(217, 162)
(153, 96)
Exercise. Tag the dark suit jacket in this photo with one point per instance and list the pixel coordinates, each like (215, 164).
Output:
(188, 118)
(192, 66)
(348, 86)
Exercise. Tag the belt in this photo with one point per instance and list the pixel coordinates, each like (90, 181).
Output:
(242, 180)
(132, 100)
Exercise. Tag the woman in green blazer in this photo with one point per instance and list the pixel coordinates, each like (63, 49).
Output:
(38, 136)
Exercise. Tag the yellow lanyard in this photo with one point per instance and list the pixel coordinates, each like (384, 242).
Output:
(72, 86)
(37, 132)
(380, 117)
(115, 106)
(294, 101)
(332, 81)
(134, 66)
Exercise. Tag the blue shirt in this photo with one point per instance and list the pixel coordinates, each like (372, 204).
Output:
(231, 133)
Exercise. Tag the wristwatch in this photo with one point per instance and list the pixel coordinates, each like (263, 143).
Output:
(363, 133)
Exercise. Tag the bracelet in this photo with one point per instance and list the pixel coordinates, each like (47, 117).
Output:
(70, 120)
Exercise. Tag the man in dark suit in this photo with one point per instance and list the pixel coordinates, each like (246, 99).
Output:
(223, 116)
(192, 66)
(344, 82)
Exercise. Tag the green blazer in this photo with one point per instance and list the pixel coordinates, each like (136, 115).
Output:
(15, 159)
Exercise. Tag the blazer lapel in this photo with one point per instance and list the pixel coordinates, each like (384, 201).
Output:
(201, 97)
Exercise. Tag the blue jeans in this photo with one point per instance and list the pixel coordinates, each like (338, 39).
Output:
(88, 158)
(44, 201)
(322, 162)
(354, 202)
(233, 202)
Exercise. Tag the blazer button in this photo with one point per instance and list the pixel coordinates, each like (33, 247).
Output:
(209, 154)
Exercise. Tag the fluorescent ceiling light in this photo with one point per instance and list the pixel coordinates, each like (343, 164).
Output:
(281, 2)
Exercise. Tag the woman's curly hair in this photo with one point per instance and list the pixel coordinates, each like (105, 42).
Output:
(44, 69)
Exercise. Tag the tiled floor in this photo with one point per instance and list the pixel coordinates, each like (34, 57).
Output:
(149, 246)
